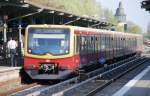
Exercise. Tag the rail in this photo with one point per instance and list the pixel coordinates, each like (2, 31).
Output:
(113, 78)
(59, 88)
(71, 90)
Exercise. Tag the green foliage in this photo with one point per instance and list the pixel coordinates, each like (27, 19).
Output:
(81, 7)
(89, 8)
(147, 35)
(120, 28)
(133, 28)
(78, 7)
(109, 16)
(148, 29)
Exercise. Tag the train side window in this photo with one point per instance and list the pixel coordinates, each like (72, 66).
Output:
(88, 44)
(107, 41)
(91, 44)
(111, 42)
(121, 42)
(96, 43)
(102, 42)
(99, 42)
(78, 44)
(116, 42)
(82, 43)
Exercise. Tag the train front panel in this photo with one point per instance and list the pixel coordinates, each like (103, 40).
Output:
(49, 52)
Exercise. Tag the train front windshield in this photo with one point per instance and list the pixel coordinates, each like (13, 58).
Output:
(54, 41)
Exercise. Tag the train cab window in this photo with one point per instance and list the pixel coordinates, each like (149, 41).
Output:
(53, 41)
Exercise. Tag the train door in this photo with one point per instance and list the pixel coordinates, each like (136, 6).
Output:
(107, 45)
(88, 48)
(83, 50)
(116, 41)
(114, 46)
(117, 45)
(79, 50)
(102, 57)
(96, 46)
(121, 45)
(111, 46)
(91, 54)
(99, 46)
(124, 44)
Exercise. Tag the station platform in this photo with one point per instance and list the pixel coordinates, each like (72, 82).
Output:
(9, 73)
(138, 86)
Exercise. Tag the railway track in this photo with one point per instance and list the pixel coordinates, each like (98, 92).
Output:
(100, 81)
(64, 87)
(107, 78)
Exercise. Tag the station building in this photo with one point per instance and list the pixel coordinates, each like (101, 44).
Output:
(121, 17)
(16, 15)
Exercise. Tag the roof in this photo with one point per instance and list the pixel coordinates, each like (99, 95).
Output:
(83, 29)
(26, 8)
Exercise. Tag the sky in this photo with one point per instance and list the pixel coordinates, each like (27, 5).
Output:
(132, 9)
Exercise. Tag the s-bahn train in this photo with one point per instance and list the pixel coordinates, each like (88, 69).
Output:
(56, 51)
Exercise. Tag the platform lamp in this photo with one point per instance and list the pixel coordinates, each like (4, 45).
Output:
(20, 49)
(5, 38)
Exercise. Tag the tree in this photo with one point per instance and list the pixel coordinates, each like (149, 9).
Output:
(133, 28)
(88, 8)
(109, 16)
(119, 28)
(147, 34)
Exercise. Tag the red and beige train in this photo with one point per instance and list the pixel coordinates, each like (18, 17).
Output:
(56, 51)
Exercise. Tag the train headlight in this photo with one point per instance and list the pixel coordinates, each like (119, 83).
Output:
(29, 50)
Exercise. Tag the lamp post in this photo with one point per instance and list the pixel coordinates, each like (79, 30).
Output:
(5, 18)
(5, 32)
(20, 55)
(5, 42)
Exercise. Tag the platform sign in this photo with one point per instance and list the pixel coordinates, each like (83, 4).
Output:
(102, 60)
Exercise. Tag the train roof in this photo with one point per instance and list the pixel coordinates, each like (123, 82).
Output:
(85, 28)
